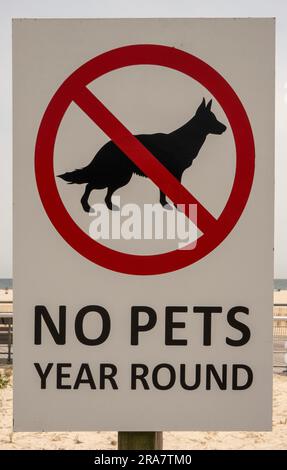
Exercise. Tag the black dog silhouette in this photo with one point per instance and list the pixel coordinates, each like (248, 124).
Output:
(112, 169)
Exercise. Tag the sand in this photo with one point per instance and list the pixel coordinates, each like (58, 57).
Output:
(280, 297)
(277, 439)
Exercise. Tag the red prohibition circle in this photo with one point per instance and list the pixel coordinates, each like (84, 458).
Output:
(209, 78)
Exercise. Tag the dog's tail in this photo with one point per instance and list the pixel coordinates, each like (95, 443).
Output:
(77, 176)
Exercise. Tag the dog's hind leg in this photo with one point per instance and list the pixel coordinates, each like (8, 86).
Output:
(108, 198)
(85, 198)
(112, 188)
(178, 206)
(163, 201)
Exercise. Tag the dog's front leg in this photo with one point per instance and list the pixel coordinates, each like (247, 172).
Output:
(163, 201)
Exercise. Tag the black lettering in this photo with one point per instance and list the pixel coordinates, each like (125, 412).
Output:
(85, 369)
(196, 383)
(61, 376)
(237, 325)
(58, 335)
(249, 379)
(136, 327)
(170, 325)
(43, 374)
(221, 381)
(139, 375)
(108, 375)
(155, 374)
(207, 315)
(106, 325)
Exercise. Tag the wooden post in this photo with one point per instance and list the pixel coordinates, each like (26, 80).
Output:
(140, 440)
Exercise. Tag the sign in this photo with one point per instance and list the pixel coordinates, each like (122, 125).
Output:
(143, 156)
(75, 88)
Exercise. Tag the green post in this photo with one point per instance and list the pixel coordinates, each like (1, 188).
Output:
(140, 440)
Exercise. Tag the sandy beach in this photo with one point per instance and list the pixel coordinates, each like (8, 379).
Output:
(277, 439)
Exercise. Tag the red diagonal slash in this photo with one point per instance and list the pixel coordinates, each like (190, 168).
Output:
(142, 157)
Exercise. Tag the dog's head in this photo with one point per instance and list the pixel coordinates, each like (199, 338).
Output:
(207, 120)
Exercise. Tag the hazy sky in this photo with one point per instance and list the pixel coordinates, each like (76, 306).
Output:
(139, 8)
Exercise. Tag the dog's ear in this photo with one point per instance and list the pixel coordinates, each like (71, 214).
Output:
(201, 107)
(208, 106)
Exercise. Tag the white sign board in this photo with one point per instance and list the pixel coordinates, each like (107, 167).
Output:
(143, 303)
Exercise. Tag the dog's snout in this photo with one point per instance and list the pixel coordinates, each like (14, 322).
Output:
(220, 128)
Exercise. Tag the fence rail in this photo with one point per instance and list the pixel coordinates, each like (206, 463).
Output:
(280, 336)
